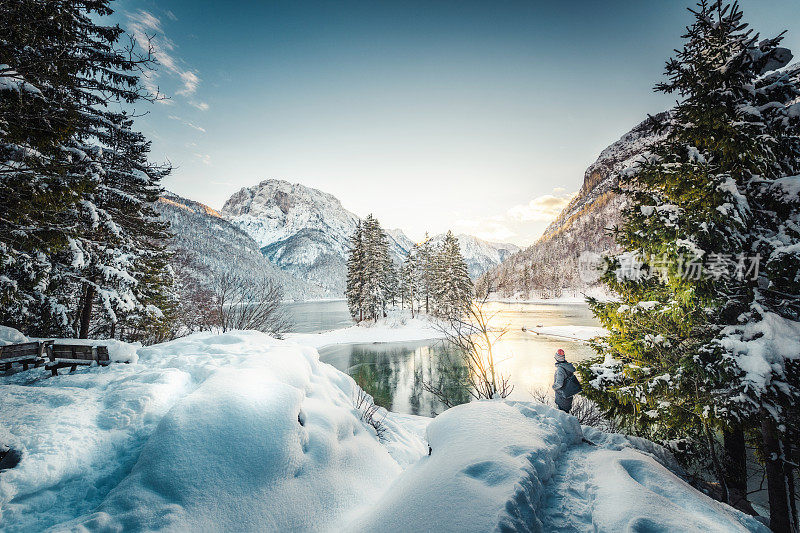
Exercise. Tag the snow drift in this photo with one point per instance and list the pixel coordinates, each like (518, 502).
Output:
(244, 432)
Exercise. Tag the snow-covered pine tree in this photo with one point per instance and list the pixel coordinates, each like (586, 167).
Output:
(40, 178)
(123, 241)
(354, 291)
(453, 290)
(93, 179)
(379, 275)
(682, 279)
(426, 262)
(409, 279)
(766, 333)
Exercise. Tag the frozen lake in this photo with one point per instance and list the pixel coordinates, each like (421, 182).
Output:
(394, 372)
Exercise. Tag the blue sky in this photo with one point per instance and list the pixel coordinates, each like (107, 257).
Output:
(479, 117)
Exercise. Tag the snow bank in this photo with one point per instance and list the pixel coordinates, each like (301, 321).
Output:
(578, 333)
(236, 431)
(514, 466)
(633, 492)
(487, 468)
(244, 432)
(397, 327)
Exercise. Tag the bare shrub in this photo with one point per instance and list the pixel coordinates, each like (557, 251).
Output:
(585, 410)
(370, 412)
(240, 303)
(474, 341)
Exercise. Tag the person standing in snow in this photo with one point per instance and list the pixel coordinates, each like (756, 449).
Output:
(565, 383)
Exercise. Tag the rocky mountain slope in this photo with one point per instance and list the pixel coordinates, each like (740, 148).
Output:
(306, 232)
(206, 245)
(556, 261)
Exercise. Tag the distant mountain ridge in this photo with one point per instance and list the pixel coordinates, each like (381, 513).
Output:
(205, 246)
(306, 232)
(553, 263)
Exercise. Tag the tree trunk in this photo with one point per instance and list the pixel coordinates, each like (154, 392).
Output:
(76, 323)
(779, 519)
(86, 312)
(717, 466)
(735, 468)
(790, 485)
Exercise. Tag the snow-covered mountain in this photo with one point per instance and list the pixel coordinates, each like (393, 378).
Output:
(553, 262)
(306, 232)
(480, 255)
(206, 245)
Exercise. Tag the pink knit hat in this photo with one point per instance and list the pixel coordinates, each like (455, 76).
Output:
(560, 355)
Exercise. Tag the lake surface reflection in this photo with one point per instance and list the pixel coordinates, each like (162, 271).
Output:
(394, 373)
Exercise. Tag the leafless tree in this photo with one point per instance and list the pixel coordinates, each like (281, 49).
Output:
(586, 411)
(370, 411)
(473, 340)
(244, 304)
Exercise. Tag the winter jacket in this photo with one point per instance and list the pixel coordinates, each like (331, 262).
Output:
(564, 370)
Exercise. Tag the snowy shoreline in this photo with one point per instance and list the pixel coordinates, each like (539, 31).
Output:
(395, 328)
(597, 293)
(575, 333)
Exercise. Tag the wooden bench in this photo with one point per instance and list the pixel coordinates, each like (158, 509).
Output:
(26, 354)
(72, 355)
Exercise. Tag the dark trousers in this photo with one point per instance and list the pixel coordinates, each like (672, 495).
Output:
(565, 404)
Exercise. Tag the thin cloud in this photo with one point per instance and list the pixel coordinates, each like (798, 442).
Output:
(205, 158)
(202, 106)
(146, 28)
(542, 208)
(187, 123)
(520, 223)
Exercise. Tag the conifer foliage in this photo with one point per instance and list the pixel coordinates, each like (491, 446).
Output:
(433, 278)
(371, 276)
(452, 287)
(708, 281)
(81, 249)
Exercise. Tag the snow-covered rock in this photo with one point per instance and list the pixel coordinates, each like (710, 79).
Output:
(243, 432)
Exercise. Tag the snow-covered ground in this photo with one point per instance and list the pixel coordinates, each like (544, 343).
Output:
(397, 327)
(577, 333)
(243, 432)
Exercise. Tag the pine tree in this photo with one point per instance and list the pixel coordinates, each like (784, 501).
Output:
(371, 277)
(688, 233)
(410, 278)
(379, 275)
(354, 291)
(453, 290)
(40, 178)
(426, 262)
(81, 227)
